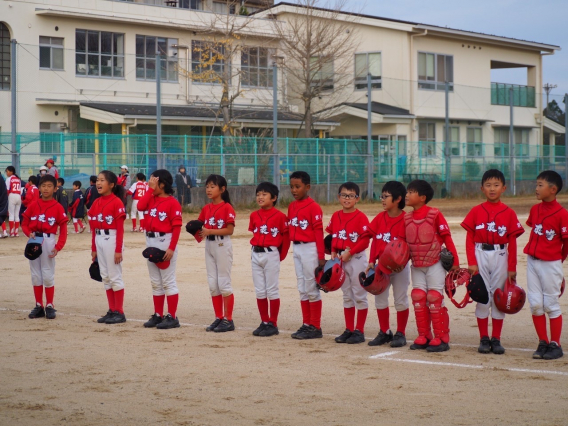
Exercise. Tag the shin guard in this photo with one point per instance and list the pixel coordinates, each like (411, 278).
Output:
(440, 318)
(422, 316)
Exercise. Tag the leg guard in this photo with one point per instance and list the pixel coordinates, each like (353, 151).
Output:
(440, 318)
(422, 316)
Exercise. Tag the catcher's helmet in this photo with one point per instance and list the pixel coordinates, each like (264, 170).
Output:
(33, 248)
(327, 244)
(95, 271)
(511, 299)
(395, 255)
(193, 227)
(155, 255)
(478, 290)
(331, 276)
(375, 282)
(453, 280)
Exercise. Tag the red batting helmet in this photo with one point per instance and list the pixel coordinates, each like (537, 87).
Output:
(395, 255)
(375, 282)
(454, 279)
(511, 299)
(330, 277)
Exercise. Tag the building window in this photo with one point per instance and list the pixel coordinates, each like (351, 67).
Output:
(255, 67)
(474, 142)
(434, 70)
(322, 77)
(50, 53)
(455, 141)
(223, 8)
(99, 53)
(147, 48)
(5, 57)
(49, 139)
(207, 62)
(367, 63)
(521, 139)
(190, 4)
(427, 138)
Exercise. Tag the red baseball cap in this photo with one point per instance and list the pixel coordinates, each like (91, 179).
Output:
(50, 160)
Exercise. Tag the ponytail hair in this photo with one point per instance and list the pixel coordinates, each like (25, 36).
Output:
(117, 189)
(12, 169)
(221, 182)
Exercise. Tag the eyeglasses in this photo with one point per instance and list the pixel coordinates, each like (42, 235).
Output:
(348, 196)
(384, 197)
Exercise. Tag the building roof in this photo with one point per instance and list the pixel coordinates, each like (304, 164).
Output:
(380, 108)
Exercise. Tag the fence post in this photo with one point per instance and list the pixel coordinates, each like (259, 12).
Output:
(447, 145)
(105, 150)
(94, 164)
(255, 162)
(13, 81)
(222, 159)
(328, 179)
(370, 174)
(158, 107)
(345, 160)
(512, 144)
(62, 151)
(317, 162)
(185, 152)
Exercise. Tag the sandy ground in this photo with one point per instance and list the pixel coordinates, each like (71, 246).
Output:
(75, 371)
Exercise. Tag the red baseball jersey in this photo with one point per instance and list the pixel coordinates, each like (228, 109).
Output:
(305, 223)
(108, 212)
(549, 223)
(382, 230)
(348, 230)
(138, 190)
(14, 185)
(217, 216)
(32, 194)
(268, 227)
(164, 215)
(492, 223)
(45, 217)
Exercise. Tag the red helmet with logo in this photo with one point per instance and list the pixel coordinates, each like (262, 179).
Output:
(331, 276)
(375, 282)
(395, 256)
(511, 299)
(454, 279)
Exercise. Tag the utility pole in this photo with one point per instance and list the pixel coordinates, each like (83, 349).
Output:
(158, 111)
(370, 174)
(276, 174)
(447, 144)
(512, 144)
(548, 88)
(14, 111)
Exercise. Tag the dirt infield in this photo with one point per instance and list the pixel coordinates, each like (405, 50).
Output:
(74, 371)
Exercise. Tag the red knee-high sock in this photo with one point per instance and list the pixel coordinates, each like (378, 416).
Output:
(218, 305)
(349, 314)
(11, 223)
(497, 326)
(16, 227)
(142, 223)
(383, 315)
(4, 226)
(49, 292)
(159, 304)
(110, 298)
(556, 329)
(263, 309)
(305, 311)
(76, 226)
(483, 326)
(402, 320)
(274, 309)
(133, 223)
(315, 313)
(539, 322)
(173, 304)
(228, 303)
(361, 318)
(38, 293)
(81, 224)
(119, 301)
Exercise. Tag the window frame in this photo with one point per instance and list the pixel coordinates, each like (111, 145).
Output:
(268, 71)
(374, 81)
(222, 64)
(49, 139)
(477, 146)
(5, 56)
(521, 150)
(455, 143)
(199, 4)
(99, 54)
(438, 85)
(430, 142)
(230, 8)
(51, 47)
(323, 87)
(169, 62)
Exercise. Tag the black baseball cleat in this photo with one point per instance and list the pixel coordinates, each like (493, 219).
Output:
(213, 324)
(116, 318)
(50, 312)
(496, 346)
(311, 333)
(399, 340)
(382, 338)
(541, 350)
(417, 346)
(168, 322)
(225, 325)
(37, 312)
(554, 351)
(261, 327)
(154, 320)
(442, 347)
(102, 320)
(356, 337)
(342, 338)
(301, 330)
(269, 330)
(484, 345)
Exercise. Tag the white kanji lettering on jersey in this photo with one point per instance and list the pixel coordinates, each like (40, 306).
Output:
(220, 223)
(109, 219)
(100, 217)
(501, 230)
(274, 231)
(550, 234)
(231, 215)
(153, 212)
(211, 221)
(538, 230)
(178, 213)
(264, 229)
(387, 237)
(342, 235)
(255, 230)
(318, 217)
(491, 227)
(41, 218)
(354, 236)
(379, 236)
(51, 221)
(480, 226)
(294, 221)
(563, 229)
(162, 216)
(304, 224)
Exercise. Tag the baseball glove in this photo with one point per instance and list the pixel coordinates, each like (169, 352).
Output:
(447, 259)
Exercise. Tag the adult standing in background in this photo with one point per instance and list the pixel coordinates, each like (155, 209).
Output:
(183, 186)
(42, 172)
(51, 169)
(125, 181)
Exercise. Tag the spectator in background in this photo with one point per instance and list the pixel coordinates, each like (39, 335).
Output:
(42, 172)
(91, 193)
(183, 186)
(51, 169)
(125, 181)
(61, 195)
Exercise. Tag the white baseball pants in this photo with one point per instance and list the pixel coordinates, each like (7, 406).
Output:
(306, 262)
(111, 273)
(14, 204)
(544, 281)
(265, 273)
(218, 262)
(493, 267)
(163, 280)
(43, 268)
(399, 283)
(135, 211)
(429, 278)
(354, 295)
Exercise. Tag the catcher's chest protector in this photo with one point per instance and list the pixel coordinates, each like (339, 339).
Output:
(421, 238)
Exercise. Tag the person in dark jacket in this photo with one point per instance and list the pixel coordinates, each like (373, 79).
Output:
(183, 185)
(61, 195)
(91, 194)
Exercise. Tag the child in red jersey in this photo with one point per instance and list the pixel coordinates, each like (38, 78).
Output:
(546, 251)
(106, 219)
(41, 219)
(349, 240)
(306, 233)
(163, 226)
(270, 243)
(32, 192)
(14, 186)
(138, 190)
(426, 229)
(389, 226)
(491, 247)
(219, 223)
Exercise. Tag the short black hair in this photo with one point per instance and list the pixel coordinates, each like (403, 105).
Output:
(552, 178)
(33, 180)
(349, 186)
(140, 176)
(396, 189)
(11, 169)
(268, 187)
(61, 181)
(166, 178)
(48, 178)
(303, 176)
(77, 183)
(221, 182)
(93, 179)
(423, 188)
(493, 174)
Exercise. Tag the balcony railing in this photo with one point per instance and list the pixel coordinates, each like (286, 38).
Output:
(523, 96)
(196, 5)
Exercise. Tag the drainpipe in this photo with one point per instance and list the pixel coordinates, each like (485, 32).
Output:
(412, 70)
(131, 125)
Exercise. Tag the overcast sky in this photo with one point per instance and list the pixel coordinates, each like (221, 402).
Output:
(544, 21)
